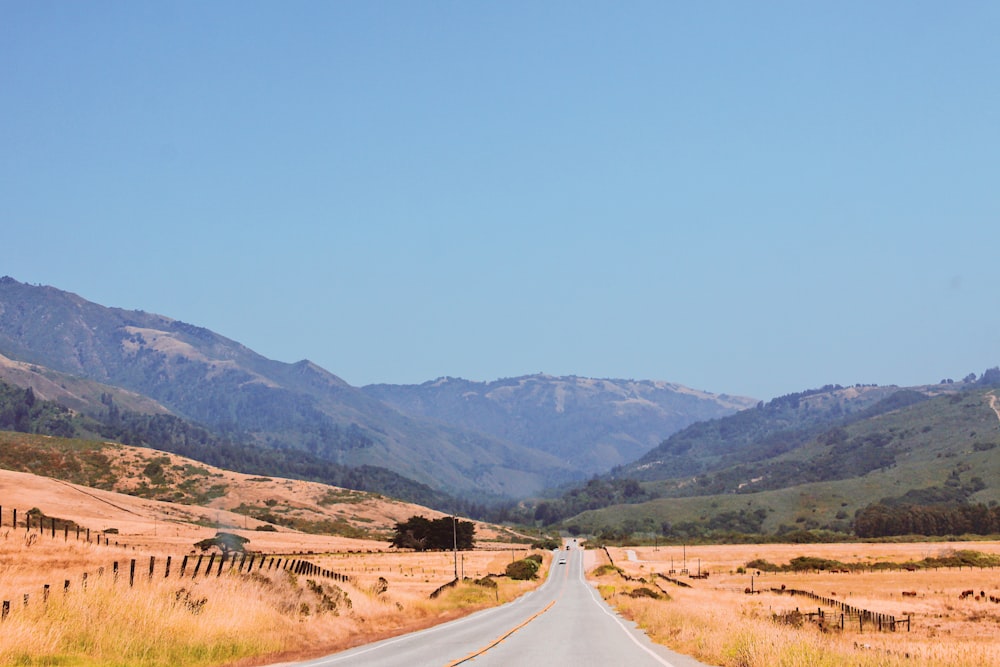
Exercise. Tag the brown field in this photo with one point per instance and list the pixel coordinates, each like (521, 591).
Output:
(273, 615)
(190, 493)
(245, 619)
(716, 621)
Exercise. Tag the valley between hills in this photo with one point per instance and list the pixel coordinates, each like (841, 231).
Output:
(158, 436)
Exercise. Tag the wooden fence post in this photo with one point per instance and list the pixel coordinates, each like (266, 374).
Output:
(166, 574)
(115, 570)
(131, 573)
(45, 593)
(184, 564)
(6, 610)
(152, 564)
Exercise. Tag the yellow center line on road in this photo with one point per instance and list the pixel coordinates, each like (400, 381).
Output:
(499, 639)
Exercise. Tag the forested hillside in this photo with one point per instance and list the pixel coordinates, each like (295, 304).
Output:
(917, 460)
(21, 411)
(758, 433)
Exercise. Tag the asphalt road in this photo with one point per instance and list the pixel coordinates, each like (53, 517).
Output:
(563, 622)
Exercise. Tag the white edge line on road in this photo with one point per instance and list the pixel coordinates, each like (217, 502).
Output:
(614, 616)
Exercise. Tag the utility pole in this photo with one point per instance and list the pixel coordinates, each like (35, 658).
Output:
(454, 533)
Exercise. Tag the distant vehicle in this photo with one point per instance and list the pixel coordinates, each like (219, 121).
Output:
(562, 561)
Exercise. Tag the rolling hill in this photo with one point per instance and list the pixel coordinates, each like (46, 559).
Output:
(931, 447)
(128, 484)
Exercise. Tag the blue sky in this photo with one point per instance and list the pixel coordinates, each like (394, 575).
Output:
(744, 197)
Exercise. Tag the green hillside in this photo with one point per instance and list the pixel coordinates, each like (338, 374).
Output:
(765, 431)
(936, 451)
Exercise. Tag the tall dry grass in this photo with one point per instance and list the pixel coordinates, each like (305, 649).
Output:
(741, 634)
(718, 623)
(204, 622)
(213, 620)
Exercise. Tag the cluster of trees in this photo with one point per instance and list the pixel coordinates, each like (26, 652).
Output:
(732, 525)
(595, 494)
(423, 534)
(881, 520)
(21, 410)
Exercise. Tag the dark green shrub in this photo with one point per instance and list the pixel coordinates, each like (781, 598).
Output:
(643, 592)
(524, 569)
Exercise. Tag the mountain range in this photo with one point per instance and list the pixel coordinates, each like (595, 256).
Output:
(509, 438)
(591, 424)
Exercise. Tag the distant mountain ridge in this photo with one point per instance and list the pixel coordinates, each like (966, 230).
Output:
(590, 423)
(224, 385)
(508, 438)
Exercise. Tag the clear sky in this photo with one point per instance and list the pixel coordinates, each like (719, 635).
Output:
(744, 197)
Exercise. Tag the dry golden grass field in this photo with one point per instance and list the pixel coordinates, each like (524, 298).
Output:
(229, 618)
(718, 622)
(273, 615)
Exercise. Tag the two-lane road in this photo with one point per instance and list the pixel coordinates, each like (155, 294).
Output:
(563, 622)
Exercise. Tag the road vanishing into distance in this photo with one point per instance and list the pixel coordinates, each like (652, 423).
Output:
(562, 622)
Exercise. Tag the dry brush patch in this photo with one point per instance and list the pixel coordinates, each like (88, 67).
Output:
(716, 621)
